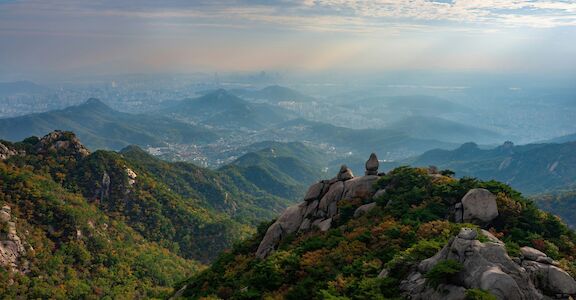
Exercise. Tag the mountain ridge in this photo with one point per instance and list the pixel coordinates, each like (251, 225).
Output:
(104, 127)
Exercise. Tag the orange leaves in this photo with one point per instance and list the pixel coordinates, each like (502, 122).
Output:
(381, 228)
(313, 258)
(434, 229)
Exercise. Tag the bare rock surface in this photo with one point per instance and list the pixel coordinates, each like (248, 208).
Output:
(487, 266)
(319, 207)
(364, 209)
(477, 206)
(12, 251)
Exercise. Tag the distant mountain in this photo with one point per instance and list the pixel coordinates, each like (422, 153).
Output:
(410, 105)
(274, 94)
(389, 144)
(224, 110)
(533, 168)
(104, 128)
(305, 153)
(21, 87)
(562, 139)
(428, 127)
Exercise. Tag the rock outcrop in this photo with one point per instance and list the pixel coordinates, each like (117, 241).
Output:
(477, 206)
(62, 141)
(12, 249)
(487, 266)
(546, 274)
(6, 152)
(131, 176)
(364, 209)
(319, 207)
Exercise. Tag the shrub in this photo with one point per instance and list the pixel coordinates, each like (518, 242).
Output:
(478, 294)
(443, 272)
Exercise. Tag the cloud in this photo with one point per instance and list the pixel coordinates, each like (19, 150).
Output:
(358, 16)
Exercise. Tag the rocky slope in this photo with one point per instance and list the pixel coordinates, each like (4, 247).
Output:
(411, 233)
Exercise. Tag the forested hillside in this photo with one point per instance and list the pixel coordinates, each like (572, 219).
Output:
(108, 224)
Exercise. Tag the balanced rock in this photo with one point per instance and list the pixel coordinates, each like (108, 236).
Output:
(345, 173)
(479, 206)
(372, 165)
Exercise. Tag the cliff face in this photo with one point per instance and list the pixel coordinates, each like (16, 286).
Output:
(411, 233)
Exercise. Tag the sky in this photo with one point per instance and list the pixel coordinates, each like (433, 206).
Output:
(53, 37)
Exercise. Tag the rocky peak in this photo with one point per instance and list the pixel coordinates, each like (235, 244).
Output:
(62, 141)
(319, 207)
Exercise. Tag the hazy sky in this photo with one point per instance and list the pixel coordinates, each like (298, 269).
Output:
(49, 37)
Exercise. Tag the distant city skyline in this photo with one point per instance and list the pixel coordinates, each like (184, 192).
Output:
(47, 38)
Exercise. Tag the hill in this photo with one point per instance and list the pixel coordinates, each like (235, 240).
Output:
(412, 233)
(427, 127)
(224, 110)
(283, 169)
(104, 128)
(562, 139)
(109, 224)
(532, 168)
(560, 203)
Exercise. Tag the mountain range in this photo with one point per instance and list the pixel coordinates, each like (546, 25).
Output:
(104, 128)
(273, 94)
(532, 168)
(222, 109)
(21, 87)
